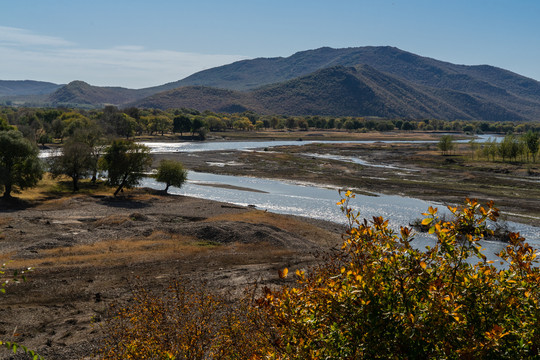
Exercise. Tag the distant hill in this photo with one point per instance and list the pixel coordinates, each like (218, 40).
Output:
(81, 93)
(381, 81)
(26, 87)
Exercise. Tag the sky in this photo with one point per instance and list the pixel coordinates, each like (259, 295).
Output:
(136, 43)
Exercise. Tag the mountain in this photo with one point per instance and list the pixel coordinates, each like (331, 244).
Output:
(520, 95)
(336, 91)
(80, 93)
(380, 81)
(26, 87)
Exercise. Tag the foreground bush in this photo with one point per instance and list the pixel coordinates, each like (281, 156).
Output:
(385, 299)
(184, 322)
(379, 298)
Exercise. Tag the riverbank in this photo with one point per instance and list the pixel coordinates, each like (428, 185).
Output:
(417, 170)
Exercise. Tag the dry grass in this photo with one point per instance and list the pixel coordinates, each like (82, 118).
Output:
(49, 187)
(294, 226)
(159, 245)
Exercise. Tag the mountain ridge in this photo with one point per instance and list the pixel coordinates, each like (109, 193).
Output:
(410, 84)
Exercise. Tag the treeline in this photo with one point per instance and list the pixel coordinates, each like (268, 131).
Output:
(524, 147)
(42, 125)
(513, 147)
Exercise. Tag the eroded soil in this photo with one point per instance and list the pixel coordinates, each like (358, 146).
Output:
(88, 251)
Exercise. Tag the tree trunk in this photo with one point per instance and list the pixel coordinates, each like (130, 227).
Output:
(75, 183)
(7, 191)
(120, 186)
(167, 188)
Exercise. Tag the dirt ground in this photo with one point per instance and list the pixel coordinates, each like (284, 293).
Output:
(87, 251)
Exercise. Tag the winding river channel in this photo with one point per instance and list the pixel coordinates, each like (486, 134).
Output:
(303, 199)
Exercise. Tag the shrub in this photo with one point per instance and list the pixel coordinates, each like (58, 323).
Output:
(184, 322)
(382, 298)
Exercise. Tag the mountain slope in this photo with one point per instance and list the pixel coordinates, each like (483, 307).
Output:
(26, 87)
(386, 81)
(79, 92)
(518, 94)
(335, 91)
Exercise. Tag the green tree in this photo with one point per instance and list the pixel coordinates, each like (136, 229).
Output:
(125, 163)
(172, 173)
(4, 125)
(92, 137)
(532, 139)
(446, 143)
(20, 167)
(75, 161)
(198, 126)
(181, 124)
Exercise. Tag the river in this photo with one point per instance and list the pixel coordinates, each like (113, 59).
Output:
(301, 199)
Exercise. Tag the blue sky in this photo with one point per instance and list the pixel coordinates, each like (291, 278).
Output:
(135, 43)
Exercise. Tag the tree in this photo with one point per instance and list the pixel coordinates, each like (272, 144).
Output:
(446, 143)
(214, 123)
(181, 124)
(92, 137)
(4, 125)
(75, 161)
(532, 139)
(19, 164)
(159, 123)
(172, 173)
(243, 124)
(198, 126)
(125, 163)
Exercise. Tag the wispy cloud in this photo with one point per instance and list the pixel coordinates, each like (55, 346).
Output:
(20, 37)
(26, 55)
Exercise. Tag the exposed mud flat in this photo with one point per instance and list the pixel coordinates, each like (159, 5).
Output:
(410, 169)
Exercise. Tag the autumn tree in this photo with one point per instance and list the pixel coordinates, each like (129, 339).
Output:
(383, 298)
